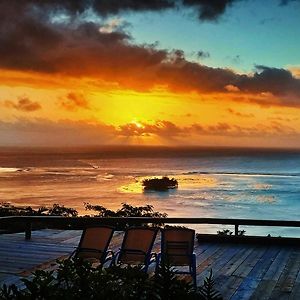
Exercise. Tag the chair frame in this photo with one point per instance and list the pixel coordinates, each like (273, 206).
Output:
(149, 257)
(162, 256)
(104, 258)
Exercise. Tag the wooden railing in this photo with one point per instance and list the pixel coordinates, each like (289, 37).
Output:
(82, 222)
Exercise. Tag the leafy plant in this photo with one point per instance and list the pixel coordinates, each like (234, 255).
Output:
(7, 209)
(77, 279)
(224, 232)
(229, 232)
(168, 286)
(126, 211)
(208, 291)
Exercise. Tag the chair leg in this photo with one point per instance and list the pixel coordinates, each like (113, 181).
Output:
(145, 269)
(157, 263)
(194, 270)
(114, 259)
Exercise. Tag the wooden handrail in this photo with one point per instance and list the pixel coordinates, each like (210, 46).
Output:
(90, 221)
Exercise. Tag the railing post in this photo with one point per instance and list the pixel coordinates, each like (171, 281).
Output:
(236, 229)
(28, 228)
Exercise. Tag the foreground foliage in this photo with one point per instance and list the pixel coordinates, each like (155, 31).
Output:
(76, 279)
(229, 232)
(7, 209)
(126, 210)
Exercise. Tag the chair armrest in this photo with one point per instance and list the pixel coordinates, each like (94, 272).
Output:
(109, 256)
(153, 257)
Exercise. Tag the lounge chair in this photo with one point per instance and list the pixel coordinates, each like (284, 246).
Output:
(136, 247)
(94, 243)
(177, 245)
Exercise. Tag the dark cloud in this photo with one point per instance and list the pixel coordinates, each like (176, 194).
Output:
(74, 101)
(209, 9)
(279, 82)
(30, 40)
(203, 54)
(286, 2)
(105, 7)
(239, 114)
(23, 104)
(206, 9)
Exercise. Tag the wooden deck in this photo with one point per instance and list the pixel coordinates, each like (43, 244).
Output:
(240, 271)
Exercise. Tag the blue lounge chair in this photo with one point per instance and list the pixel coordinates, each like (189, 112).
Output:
(177, 245)
(136, 247)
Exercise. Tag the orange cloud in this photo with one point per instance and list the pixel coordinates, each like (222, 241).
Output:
(239, 114)
(41, 132)
(167, 129)
(74, 101)
(23, 104)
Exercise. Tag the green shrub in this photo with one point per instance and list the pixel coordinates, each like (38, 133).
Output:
(229, 232)
(7, 209)
(77, 279)
(127, 211)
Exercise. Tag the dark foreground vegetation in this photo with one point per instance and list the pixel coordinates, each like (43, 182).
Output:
(126, 210)
(160, 184)
(77, 279)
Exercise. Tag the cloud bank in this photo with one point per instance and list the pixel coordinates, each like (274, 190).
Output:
(41, 132)
(53, 37)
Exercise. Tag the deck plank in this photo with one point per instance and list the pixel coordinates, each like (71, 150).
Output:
(251, 282)
(287, 280)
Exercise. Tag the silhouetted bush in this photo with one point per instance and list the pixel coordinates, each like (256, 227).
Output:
(160, 184)
(229, 232)
(77, 279)
(126, 211)
(7, 209)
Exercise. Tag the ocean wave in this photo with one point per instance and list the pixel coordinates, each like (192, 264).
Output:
(9, 170)
(254, 174)
(105, 177)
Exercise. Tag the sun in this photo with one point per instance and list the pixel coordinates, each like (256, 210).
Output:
(137, 124)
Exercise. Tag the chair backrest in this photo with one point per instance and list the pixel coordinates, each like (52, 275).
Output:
(137, 245)
(94, 242)
(177, 245)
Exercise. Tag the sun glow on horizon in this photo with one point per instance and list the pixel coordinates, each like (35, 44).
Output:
(137, 123)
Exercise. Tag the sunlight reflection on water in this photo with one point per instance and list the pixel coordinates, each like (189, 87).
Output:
(184, 182)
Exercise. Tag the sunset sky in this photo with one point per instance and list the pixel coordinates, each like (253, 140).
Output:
(161, 72)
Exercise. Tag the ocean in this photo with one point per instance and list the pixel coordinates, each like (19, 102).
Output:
(219, 183)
